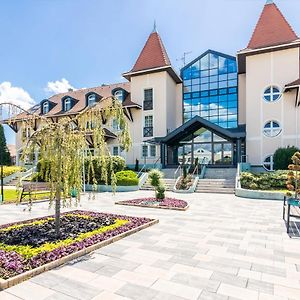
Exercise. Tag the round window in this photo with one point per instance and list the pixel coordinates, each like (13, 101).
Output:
(268, 163)
(272, 94)
(272, 129)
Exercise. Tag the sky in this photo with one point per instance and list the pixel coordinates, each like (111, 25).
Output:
(48, 46)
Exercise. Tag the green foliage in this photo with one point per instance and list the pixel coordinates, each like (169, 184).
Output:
(184, 183)
(184, 171)
(99, 173)
(156, 177)
(127, 178)
(293, 182)
(5, 158)
(160, 192)
(283, 157)
(264, 181)
(9, 170)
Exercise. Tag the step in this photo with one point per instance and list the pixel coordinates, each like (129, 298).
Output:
(221, 191)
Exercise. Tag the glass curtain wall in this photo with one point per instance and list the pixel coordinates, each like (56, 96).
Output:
(210, 89)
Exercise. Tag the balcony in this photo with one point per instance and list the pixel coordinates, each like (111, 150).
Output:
(148, 131)
(148, 105)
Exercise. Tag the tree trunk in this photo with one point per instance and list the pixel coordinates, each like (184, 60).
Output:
(58, 191)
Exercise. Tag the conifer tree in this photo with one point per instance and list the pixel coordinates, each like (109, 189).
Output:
(5, 158)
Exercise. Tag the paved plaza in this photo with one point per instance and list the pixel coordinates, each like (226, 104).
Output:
(222, 247)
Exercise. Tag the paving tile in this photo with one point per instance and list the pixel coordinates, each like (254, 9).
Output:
(205, 295)
(78, 290)
(105, 295)
(136, 278)
(48, 279)
(260, 286)
(237, 292)
(106, 283)
(230, 279)
(7, 296)
(30, 291)
(108, 270)
(136, 292)
(177, 289)
(59, 296)
(283, 291)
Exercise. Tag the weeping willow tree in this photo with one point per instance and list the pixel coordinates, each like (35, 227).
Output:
(62, 144)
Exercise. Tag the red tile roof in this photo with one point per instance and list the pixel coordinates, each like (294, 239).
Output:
(153, 55)
(271, 29)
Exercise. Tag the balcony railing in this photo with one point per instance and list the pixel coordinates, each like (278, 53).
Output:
(148, 104)
(148, 131)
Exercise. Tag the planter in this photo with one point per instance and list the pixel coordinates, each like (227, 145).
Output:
(264, 195)
(190, 190)
(108, 188)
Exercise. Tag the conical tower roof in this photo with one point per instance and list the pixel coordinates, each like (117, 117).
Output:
(271, 29)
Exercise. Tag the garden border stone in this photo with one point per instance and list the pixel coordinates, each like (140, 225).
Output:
(152, 206)
(4, 284)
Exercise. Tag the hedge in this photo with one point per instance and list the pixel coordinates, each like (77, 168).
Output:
(127, 178)
(9, 170)
(283, 157)
(264, 181)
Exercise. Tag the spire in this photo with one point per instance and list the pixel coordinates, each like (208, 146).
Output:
(271, 29)
(154, 26)
(153, 55)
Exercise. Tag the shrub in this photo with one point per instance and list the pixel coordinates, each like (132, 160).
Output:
(283, 157)
(264, 181)
(155, 177)
(9, 170)
(118, 164)
(127, 178)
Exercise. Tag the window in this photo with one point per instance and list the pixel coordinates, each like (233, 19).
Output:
(214, 86)
(144, 151)
(115, 151)
(148, 99)
(45, 107)
(152, 151)
(148, 126)
(119, 95)
(272, 129)
(67, 104)
(26, 133)
(115, 125)
(272, 94)
(268, 163)
(91, 99)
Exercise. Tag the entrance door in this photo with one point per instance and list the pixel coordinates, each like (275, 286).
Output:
(223, 153)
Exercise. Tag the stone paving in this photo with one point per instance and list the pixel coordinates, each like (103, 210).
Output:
(222, 247)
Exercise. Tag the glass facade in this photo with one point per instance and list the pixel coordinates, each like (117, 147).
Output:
(210, 89)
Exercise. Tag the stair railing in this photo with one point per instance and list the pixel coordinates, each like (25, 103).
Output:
(177, 170)
(141, 170)
(155, 163)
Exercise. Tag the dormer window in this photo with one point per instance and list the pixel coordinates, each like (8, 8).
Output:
(91, 100)
(119, 95)
(45, 108)
(67, 104)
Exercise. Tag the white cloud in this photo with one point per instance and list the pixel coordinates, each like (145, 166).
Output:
(58, 86)
(15, 95)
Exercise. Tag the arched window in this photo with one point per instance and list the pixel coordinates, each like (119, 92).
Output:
(272, 129)
(268, 163)
(272, 94)
(91, 99)
(45, 107)
(119, 95)
(67, 104)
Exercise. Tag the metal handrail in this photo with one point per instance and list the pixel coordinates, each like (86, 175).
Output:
(141, 170)
(154, 165)
(176, 171)
(196, 169)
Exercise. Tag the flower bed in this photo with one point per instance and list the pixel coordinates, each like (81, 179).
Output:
(167, 203)
(28, 245)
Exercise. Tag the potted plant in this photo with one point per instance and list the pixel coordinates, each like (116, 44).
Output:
(293, 182)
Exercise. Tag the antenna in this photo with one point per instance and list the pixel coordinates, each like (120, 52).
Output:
(183, 58)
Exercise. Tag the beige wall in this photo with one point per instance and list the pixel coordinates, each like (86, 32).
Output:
(242, 99)
(274, 68)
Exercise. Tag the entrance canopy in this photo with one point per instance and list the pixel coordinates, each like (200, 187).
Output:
(188, 128)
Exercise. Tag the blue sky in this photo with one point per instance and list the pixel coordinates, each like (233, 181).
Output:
(90, 42)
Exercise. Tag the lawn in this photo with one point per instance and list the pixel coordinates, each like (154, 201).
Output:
(11, 196)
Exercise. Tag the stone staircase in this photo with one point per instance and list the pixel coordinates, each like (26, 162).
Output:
(217, 180)
(169, 184)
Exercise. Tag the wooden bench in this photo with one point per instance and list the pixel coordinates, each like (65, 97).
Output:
(33, 187)
(291, 208)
